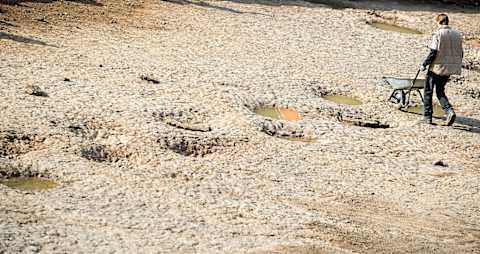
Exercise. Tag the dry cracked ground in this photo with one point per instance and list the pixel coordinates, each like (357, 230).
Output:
(143, 113)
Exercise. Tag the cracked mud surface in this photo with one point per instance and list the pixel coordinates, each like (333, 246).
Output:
(184, 165)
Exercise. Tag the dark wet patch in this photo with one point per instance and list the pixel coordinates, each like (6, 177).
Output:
(198, 145)
(361, 121)
(186, 126)
(191, 146)
(418, 110)
(317, 89)
(392, 27)
(341, 99)
(95, 153)
(31, 183)
(15, 143)
(188, 119)
(86, 128)
(278, 113)
(102, 153)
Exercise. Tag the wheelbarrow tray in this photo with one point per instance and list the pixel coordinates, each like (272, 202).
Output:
(402, 88)
(404, 84)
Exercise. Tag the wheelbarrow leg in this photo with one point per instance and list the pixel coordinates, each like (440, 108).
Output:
(420, 93)
(406, 100)
(393, 96)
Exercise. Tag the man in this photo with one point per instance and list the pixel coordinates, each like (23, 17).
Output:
(445, 59)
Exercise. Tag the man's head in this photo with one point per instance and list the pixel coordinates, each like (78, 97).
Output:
(442, 19)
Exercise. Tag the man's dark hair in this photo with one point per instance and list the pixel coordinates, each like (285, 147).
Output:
(442, 19)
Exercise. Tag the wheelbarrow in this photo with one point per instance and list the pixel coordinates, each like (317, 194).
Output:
(403, 88)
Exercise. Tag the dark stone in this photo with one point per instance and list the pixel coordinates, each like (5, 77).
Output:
(440, 163)
(149, 79)
(35, 91)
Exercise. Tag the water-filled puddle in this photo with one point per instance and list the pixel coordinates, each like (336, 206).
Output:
(393, 28)
(278, 113)
(29, 183)
(437, 110)
(340, 99)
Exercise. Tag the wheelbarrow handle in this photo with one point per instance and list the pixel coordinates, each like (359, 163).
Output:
(407, 99)
(416, 76)
(414, 80)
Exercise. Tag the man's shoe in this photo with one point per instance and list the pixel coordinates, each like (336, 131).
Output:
(427, 119)
(451, 117)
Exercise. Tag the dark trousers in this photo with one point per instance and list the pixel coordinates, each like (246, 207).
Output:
(438, 82)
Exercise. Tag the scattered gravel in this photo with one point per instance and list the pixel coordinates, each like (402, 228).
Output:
(186, 166)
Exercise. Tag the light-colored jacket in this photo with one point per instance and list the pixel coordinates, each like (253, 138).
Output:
(448, 43)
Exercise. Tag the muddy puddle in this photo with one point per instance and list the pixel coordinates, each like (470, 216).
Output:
(344, 100)
(29, 183)
(393, 28)
(278, 113)
(437, 110)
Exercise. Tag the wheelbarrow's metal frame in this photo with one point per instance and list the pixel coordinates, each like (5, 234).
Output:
(405, 92)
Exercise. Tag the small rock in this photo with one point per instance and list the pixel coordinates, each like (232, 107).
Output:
(472, 92)
(42, 19)
(440, 163)
(35, 90)
(374, 13)
(149, 79)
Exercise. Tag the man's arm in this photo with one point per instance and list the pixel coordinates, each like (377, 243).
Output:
(430, 58)
(433, 52)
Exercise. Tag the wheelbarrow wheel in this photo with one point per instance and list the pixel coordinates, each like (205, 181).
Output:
(399, 97)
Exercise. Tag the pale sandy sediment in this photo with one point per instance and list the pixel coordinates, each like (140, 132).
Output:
(183, 166)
